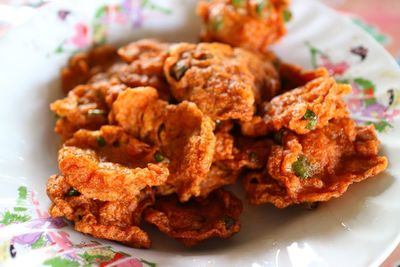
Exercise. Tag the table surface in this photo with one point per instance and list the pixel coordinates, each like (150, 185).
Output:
(382, 25)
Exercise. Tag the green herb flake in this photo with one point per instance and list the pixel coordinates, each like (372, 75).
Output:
(179, 70)
(158, 157)
(260, 7)
(57, 117)
(312, 119)
(218, 24)
(228, 221)
(302, 167)
(287, 15)
(218, 123)
(73, 193)
(101, 141)
(237, 3)
(96, 112)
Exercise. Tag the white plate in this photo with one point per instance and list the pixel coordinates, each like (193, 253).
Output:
(359, 229)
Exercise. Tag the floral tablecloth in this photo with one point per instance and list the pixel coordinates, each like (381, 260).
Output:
(380, 18)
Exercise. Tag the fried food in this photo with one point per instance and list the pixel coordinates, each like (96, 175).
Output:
(182, 132)
(104, 180)
(113, 220)
(317, 166)
(83, 108)
(113, 144)
(145, 60)
(303, 109)
(224, 82)
(197, 220)
(82, 66)
(252, 25)
(156, 130)
(98, 170)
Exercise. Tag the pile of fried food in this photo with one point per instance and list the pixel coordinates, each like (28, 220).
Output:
(153, 131)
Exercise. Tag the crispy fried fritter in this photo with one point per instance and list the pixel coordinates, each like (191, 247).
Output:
(109, 165)
(249, 153)
(301, 110)
(84, 65)
(84, 108)
(146, 59)
(197, 220)
(317, 166)
(113, 144)
(182, 132)
(187, 140)
(140, 112)
(220, 174)
(114, 220)
(224, 82)
(252, 25)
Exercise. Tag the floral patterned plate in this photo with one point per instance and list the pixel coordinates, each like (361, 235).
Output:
(359, 229)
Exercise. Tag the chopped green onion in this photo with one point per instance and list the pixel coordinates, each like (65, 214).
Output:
(260, 7)
(56, 116)
(228, 221)
(302, 167)
(73, 193)
(312, 119)
(218, 123)
(158, 157)
(101, 141)
(179, 70)
(218, 24)
(287, 15)
(237, 2)
(96, 112)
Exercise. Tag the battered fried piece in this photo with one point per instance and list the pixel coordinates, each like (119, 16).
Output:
(84, 65)
(140, 112)
(113, 144)
(249, 153)
(187, 140)
(146, 59)
(301, 110)
(182, 132)
(249, 24)
(84, 108)
(224, 82)
(317, 166)
(293, 76)
(114, 220)
(220, 174)
(197, 220)
(97, 178)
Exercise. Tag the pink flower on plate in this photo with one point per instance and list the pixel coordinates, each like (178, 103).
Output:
(129, 263)
(334, 68)
(81, 36)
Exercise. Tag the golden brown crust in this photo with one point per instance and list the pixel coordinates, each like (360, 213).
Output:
(82, 66)
(321, 97)
(114, 220)
(335, 157)
(224, 82)
(252, 25)
(197, 220)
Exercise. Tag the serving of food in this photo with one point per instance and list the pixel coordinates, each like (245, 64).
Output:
(153, 131)
(199, 140)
